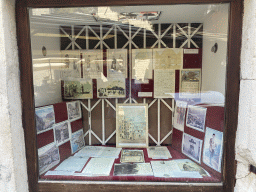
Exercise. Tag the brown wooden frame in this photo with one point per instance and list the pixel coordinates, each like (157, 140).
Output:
(27, 94)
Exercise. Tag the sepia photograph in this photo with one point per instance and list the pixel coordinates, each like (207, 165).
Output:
(213, 144)
(133, 169)
(111, 88)
(132, 156)
(132, 125)
(62, 132)
(45, 118)
(179, 115)
(72, 64)
(192, 147)
(48, 157)
(78, 89)
(77, 141)
(196, 117)
(74, 110)
(117, 63)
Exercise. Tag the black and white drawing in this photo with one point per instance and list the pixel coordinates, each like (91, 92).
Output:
(111, 88)
(78, 89)
(196, 117)
(133, 169)
(132, 156)
(179, 115)
(74, 110)
(77, 141)
(117, 63)
(45, 118)
(62, 132)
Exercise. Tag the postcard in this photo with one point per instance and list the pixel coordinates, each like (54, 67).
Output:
(48, 157)
(45, 118)
(111, 88)
(132, 125)
(117, 63)
(190, 83)
(78, 89)
(179, 115)
(74, 110)
(62, 132)
(77, 141)
(133, 169)
(72, 163)
(164, 83)
(171, 58)
(72, 61)
(213, 145)
(158, 152)
(192, 147)
(92, 63)
(196, 116)
(132, 156)
(142, 66)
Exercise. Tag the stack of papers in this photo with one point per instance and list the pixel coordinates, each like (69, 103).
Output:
(97, 167)
(158, 153)
(73, 163)
(135, 169)
(99, 151)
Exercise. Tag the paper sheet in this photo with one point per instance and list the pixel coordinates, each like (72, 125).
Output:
(73, 163)
(158, 153)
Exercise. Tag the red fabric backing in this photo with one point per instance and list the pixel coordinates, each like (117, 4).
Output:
(61, 113)
(142, 88)
(191, 61)
(76, 125)
(65, 151)
(45, 138)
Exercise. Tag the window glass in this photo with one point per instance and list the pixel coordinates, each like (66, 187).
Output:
(130, 93)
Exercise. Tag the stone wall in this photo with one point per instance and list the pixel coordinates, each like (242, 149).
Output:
(246, 131)
(13, 170)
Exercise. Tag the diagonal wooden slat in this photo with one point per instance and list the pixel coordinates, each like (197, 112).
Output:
(166, 137)
(184, 33)
(152, 139)
(110, 136)
(96, 137)
(87, 132)
(152, 103)
(95, 104)
(166, 30)
(166, 104)
(84, 105)
(110, 104)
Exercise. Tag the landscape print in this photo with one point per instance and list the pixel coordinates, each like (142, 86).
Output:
(111, 88)
(45, 118)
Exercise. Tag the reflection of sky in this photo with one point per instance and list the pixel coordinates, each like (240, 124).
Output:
(136, 114)
(43, 112)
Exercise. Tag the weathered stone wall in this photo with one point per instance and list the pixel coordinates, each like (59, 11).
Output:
(13, 170)
(246, 131)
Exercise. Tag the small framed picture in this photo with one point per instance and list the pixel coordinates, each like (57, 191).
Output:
(77, 141)
(179, 115)
(74, 110)
(192, 147)
(213, 145)
(132, 125)
(196, 117)
(62, 132)
(45, 118)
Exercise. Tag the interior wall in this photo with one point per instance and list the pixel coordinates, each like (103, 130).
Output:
(214, 64)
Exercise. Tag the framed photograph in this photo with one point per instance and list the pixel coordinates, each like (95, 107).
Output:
(132, 125)
(196, 117)
(132, 156)
(77, 141)
(74, 110)
(190, 83)
(179, 115)
(192, 147)
(213, 145)
(111, 88)
(45, 118)
(72, 61)
(62, 132)
(117, 63)
(92, 64)
(48, 157)
(78, 89)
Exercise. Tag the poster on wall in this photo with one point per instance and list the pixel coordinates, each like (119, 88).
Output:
(117, 63)
(71, 60)
(196, 117)
(62, 132)
(171, 58)
(132, 125)
(45, 118)
(92, 64)
(77, 141)
(192, 147)
(142, 65)
(78, 89)
(179, 115)
(74, 110)
(48, 157)
(164, 83)
(190, 83)
(213, 144)
(111, 88)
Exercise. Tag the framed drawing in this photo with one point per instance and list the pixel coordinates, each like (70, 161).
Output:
(212, 153)
(132, 125)
(132, 156)
(179, 115)
(111, 88)
(77, 141)
(92, 64)
(62, 132)
(78, 89)
(45, 118)
(190, 83)
(196, 117)
(192, 147)
(72, 61)
(74, 110)
(117, 63)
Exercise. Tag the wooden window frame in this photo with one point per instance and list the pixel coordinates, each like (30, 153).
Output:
(27, 94)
